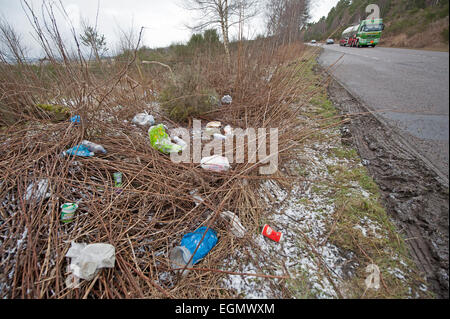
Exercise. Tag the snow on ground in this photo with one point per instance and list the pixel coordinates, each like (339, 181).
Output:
(301, 215)
(317, 268)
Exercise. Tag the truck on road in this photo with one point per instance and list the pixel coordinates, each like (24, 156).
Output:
(366, 33)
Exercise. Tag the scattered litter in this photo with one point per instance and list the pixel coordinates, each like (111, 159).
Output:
(180, 142)
(236, 227)
(143, 119)
(214, 100)
(180, 255)
(96, 148)
(228, 130)
(75, 119)
(161, 141)
(68, 212)
(72, 281)
(68, 102)
(226, 99)
(117, 179)
(219, 136)
(215, 163)
(87, 260)
(373, 280)
(36, 192)
(79, 150)
(272, 234)
(197, 198)
(213, 127)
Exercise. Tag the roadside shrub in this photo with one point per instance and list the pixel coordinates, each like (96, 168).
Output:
(55, 112)
(430, 16)
(400, 25)
(196, 41)
(413, 11)
(443, 12)
(445, 35)
(188, 96)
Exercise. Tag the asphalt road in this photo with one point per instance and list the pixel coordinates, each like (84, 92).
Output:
(408, 89)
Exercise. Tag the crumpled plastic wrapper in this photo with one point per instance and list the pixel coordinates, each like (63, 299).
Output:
(79, 150)
(236, 227)
(87, 260)
(160, 140)
(373, 280)
(36, 191)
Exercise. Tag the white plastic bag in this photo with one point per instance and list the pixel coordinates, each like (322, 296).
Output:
(227, 99)
(215, 163)
(143, 119)
(87, 260)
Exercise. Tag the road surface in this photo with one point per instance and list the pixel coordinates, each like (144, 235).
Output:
(408, 89)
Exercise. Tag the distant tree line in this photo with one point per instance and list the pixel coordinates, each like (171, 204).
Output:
(403, 14)
(286, 18)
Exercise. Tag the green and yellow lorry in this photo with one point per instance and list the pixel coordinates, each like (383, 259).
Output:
(366, 33)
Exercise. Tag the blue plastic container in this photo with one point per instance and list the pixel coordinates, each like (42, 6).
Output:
(180, 255)
(79, 150)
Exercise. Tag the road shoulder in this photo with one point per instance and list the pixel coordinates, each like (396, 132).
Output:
(413, 195)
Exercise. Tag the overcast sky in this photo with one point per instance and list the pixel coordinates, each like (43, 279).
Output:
(164, 20)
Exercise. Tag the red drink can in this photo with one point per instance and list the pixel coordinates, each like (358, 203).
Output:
(272, 234)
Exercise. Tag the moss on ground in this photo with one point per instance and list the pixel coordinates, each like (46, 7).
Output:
(55, 112)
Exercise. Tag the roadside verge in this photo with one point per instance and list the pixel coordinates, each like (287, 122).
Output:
(414, 194)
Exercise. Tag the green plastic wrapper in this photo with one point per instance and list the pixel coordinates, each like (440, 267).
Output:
(160, 140)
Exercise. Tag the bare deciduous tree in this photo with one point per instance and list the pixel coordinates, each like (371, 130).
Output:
(223, 14)
(285, 18)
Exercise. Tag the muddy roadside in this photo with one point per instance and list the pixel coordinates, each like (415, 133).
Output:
(412, 194)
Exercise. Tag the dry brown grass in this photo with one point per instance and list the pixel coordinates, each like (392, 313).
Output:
(154, 209)
(429, 39)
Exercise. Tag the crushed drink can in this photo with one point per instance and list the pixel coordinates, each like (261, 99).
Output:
(68, 212)
(117, 179)
(272, 234)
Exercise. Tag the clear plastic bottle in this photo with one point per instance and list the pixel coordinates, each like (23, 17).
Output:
(96, 148)
(180, 142)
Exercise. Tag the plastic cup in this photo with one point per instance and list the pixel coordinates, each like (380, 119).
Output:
(272, 234)
(68, 212)
(179, 256)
